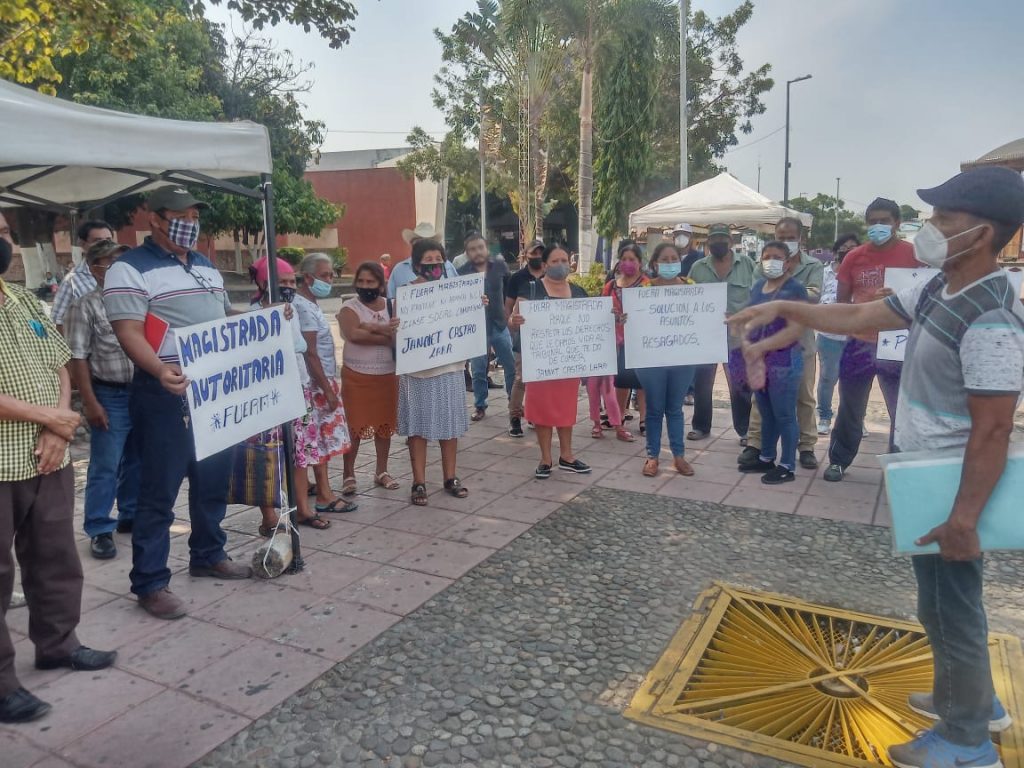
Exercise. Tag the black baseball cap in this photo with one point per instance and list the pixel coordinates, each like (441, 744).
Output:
(990, 192)
(173, 199)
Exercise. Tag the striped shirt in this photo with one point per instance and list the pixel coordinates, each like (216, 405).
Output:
(967, 343)
(31, 356)
(150, 280)
(78, 283)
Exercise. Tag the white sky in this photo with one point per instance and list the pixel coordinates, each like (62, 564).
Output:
(902, 90)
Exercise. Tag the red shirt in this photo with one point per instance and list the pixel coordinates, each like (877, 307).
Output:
(863, 272)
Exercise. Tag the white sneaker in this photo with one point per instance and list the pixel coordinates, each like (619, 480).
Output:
(824, 426)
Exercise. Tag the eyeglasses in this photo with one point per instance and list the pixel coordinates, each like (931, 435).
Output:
(201, 281)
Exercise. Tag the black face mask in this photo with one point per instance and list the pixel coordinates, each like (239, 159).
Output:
(535, 262)
(368, 295)
(6, 254)
(286, 294)
(431, 271)
(718, 250)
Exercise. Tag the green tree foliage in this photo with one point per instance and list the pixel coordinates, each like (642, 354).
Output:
(909, 213)
(823, 208)
(330, 18)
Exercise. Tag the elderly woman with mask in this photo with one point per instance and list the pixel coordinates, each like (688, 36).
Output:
(332, 435)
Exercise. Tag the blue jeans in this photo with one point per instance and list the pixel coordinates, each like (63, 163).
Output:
(501, 340)
(167, 452)
(666, 389)
(949, 605)
(830, 351)
(113, 464)
(777, 403)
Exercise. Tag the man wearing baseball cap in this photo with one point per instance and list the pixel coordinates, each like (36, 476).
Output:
(682, 237)
(962, 381)
(523, 283)
(103, 373)
(149, 291)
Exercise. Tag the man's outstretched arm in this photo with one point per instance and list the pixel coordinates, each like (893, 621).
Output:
(841, 319)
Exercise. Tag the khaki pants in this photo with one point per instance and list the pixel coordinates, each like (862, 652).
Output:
(805, 410)
(518, 394)
(36, 520)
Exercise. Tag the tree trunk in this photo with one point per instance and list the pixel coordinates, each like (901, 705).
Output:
(586, 169)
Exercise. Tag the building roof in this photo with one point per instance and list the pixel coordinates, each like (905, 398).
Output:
(358, 159)
(1010, 155)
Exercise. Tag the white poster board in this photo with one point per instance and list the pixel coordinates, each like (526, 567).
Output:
(243, 378)
(675, 325)
(892, 345)
(566, 338)
(441, 322)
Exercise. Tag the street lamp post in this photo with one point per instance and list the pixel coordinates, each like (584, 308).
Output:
(684, 153)
(837, 209)
(785, 183)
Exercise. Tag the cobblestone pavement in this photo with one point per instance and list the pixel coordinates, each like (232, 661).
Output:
(530, 658)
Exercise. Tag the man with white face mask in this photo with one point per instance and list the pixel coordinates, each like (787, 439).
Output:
(682, 238)
(860, 279)
(962, 381)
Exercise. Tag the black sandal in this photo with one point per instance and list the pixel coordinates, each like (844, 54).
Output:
(316, 522)
(419, 494)
(454, 487)
(346, 506)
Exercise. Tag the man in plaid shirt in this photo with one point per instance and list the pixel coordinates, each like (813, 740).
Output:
(79, 280)
(37, 495)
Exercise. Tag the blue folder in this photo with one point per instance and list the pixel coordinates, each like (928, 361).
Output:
(922, 486)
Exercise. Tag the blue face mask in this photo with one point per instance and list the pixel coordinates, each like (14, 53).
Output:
(670, 269)
(879, 233)
(320, 289)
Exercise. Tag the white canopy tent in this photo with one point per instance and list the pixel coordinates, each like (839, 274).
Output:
(69, 157)
(721, 200)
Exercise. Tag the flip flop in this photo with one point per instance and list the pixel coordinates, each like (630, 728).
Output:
(348, 506)
(316, 522)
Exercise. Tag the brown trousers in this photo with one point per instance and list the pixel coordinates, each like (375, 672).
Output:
(36, 520)
(518, 395)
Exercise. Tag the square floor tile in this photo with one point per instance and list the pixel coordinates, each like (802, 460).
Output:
(634, 480)
(325, 573)
(425, 521)
(25, 665)
(710, 473)
(84, 701)
(114, 625)
(374, 508)
(199, 593)
(837, 509)
(477, 499)
(380, 545)
(494, 481)
(256, 608)
(551, 489)
(256, 677)
(17, 752)
(186, 647)
(520, 508)
(602, 459)
(442, 557)
(485, 531)
(752, 480)
(187, 730)
(394, 590)
(334, 629)
(851, 491)
(757, 498)
(692, 489)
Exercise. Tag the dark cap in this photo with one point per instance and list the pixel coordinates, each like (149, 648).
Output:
(101, 249)
(534, 245)
(989, 192)
(719, 229)
(173, 199)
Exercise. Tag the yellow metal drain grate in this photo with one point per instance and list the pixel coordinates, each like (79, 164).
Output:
(805, 683)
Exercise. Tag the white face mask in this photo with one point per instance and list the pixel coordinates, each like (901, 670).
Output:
(931, 248)
(682, 241)
(793, 246)
(773, 268)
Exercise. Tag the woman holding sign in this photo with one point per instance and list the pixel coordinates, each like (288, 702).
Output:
(665, 388)
(432, 403)
(629, 273)
(551, 405)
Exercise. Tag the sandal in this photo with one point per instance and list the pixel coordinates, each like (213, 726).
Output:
(683, 467)
(316, 522)
(348, 486)
(597, 433)
(650, 468)
(605, 424)
(266, 531)
(696, 434)
(348, 506)
(625, 435)
(386, 481)
(419, 494)
(454, 487)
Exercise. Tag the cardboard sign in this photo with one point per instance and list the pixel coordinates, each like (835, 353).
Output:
(243, 377)
(892, 345)
(568, 338)
(442, 321)
(675, 325)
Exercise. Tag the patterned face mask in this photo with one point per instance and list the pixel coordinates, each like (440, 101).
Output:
(183, 232)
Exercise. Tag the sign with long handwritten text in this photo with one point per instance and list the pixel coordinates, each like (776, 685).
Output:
(675, 325)
(441, 322)
(567, 338)
(243, 377)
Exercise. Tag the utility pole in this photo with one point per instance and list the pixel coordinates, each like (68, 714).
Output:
(785, 182)
(684, 150)
(837, 209)
(483, 174)
(758, 174)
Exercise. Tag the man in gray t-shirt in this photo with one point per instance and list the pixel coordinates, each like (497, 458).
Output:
(962, 381)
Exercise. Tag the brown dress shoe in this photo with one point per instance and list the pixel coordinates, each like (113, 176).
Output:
(225, 569)
(162, 604)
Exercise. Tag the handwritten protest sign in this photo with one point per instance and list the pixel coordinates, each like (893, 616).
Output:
(566, 338)
(442, 322)
(892, 345)
(243, 377)
(675, 325)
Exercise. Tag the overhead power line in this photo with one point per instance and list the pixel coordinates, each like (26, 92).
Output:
(756, 141)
